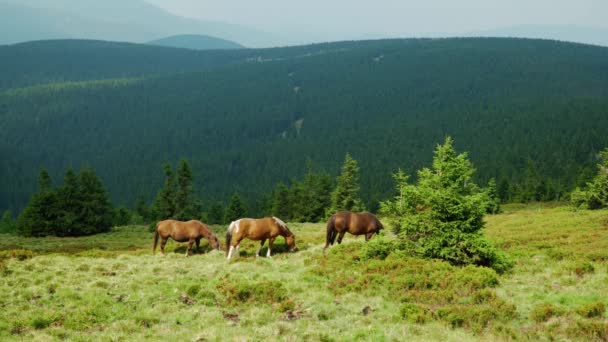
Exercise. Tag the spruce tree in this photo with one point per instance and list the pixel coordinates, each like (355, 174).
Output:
(216, 214)
(442, 215)
(346, 193)
(492, 197)
(235, 209)
(69, 197)
(281, 204)
(164, 204)
(184, 206)
(7, 224)
(595, 194)
(40, 216)
(96, 213)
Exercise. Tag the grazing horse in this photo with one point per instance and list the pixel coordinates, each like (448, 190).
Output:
(191, 231)
(354, 223)
(258, 230)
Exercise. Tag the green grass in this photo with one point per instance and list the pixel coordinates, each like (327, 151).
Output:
(111, 287)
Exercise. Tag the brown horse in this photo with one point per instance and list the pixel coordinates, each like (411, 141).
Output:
(354, 223)
(258, 230)
(191, 231)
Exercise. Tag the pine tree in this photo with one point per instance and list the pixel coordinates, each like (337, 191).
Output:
(492, 197)
(235, 209)
(442, 215)
(97, 213)
(40, 216)
(281, 204)
(44, 180)
(7, 225)
(346, 193)
(216, 214)
(184, 203)
(595, 194)
(164, 205)
(69, 197)
(142, 209)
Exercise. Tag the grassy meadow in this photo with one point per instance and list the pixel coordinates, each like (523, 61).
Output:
(111, 287)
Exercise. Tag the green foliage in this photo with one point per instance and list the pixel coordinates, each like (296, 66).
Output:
(378, 248)
(595, 309)
(164, 204)
(305, 201)
(122, 217)
(235, 209)
(281, 202)
(543, 311)
(414, 313)
(216, 214)
(492, 197)
(7, 224)
(79, 207)
(346, 193)
(442, 215)
(595, 195)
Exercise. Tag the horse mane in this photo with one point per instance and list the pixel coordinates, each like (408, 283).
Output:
(282, 224)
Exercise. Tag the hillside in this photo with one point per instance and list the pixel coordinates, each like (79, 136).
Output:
(196, 42)
(110, 286)
(119, 20)
(525, 109)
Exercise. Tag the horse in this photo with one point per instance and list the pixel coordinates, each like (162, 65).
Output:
(354, 223)
(191, 231)
(267, 228)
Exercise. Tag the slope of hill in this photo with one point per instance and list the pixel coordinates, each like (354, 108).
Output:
(521, 107)
(118, 20)
(196, 42)
(568, 33)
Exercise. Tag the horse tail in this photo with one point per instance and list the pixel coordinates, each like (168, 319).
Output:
(156, 234)
(331, 231)
(229, 236)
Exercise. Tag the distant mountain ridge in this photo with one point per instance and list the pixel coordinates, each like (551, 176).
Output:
(196, 42)
(567, 33)
(125, 20)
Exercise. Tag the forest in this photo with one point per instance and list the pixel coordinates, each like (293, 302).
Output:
(531, 114)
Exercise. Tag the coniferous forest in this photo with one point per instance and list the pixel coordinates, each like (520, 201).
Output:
(268, 125)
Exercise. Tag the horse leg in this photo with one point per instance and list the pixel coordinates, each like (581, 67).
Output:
(270, 242)
(341, 236)
(257, 254)
(198, 244)
(163, 242)
(369, 236)
(190, 244)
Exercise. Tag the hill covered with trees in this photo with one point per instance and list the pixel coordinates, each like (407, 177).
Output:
(532, 114)
(196, 42)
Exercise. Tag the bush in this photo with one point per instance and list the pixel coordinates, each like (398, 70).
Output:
(543, 311)
(595, 309)
(595, 195)
(414, 313)
(378, 248)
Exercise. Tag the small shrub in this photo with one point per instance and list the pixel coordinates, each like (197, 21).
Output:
(39, 323)
(414, 313)
(193, 290)
(588, 330)
(544, 311)
(595, 309)
(584, 268)
(378, 248)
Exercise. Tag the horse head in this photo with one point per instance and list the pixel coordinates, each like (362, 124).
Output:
(291, 243)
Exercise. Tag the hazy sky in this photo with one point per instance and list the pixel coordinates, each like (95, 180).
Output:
(383, 18)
